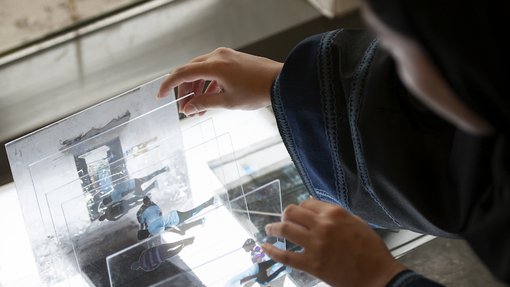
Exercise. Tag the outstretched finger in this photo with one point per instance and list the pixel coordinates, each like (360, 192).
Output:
(289, 230)
(211, 89)
(300, 215)
(195, 88)
(289, 258)
(187, 73)
(205, 102)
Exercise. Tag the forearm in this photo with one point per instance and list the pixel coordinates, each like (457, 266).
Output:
(309, 102)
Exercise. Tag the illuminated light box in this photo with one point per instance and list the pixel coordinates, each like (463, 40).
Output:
(86, 183)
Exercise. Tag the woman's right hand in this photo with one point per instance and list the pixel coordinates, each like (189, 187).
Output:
(237, 81)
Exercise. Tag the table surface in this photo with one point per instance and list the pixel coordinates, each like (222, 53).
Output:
(15, 249)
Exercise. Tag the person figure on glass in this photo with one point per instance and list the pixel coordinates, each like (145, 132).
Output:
(264, 269)
(132, 186)
(153, 221)
(151, 258)
(256, 252)
(403, 126)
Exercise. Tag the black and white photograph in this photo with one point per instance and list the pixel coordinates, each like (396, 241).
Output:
(120, 191)
(105, 160)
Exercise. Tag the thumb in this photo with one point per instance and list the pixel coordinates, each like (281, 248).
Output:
(205, 102)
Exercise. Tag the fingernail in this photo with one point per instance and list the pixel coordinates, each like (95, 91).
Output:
(159, 96)
(190, 109)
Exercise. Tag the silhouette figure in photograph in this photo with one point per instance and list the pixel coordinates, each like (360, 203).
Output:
(150, 259)
(152, 221)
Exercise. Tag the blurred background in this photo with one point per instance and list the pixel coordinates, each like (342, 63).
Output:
(58, 57)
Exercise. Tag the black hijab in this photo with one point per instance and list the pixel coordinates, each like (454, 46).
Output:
(465, 40)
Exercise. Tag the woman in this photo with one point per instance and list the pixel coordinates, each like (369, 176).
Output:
(407, 130)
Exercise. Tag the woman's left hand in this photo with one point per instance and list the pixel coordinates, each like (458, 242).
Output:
(339, 248)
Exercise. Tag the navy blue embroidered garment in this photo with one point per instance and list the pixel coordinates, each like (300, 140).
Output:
(361, 140)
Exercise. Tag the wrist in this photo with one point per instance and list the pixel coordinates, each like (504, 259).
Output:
(276, 68)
